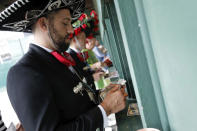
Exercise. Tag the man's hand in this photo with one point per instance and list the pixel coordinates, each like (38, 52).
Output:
(19, 127)
(97, 76)
(114, 100)
(96, 66)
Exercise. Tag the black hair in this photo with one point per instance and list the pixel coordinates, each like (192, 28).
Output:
(49, 16)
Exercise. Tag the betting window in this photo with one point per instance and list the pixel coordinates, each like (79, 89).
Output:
(13, 45)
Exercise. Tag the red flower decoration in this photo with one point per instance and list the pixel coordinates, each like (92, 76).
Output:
(84, 26)
(93, 13)
(96, 17)
(96, 22)
(79, 29)
(76, 32)
(95, 29)
(82, 17)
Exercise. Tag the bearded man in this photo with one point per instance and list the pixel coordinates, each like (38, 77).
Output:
(43, 86)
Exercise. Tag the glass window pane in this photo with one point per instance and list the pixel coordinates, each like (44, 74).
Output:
(13, 45)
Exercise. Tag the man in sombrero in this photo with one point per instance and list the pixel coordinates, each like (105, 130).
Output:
(44, 87)
(84, 28)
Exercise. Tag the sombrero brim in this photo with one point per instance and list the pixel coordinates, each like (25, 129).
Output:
(14, 18)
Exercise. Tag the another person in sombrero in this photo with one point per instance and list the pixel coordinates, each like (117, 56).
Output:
(86, 25)
(43, 86)
(78, 43)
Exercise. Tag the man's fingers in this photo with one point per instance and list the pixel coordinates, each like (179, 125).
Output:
(111, 86)
(125, 94)
(101, 74)
(115, 88)
(123, 87)
(18, 125)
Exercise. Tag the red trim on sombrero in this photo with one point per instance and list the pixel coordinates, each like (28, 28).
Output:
(84, 26)
(77, 31)
(83, 16)
(93, 14)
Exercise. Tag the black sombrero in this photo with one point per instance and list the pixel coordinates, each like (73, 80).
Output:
(22, 14)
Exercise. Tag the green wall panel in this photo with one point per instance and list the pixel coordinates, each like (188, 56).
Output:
(138, 65)
(172, 27)
(106, 44)
(152, 64)
(114, 30)
(124, 38)
(99, 4)
(113, 47)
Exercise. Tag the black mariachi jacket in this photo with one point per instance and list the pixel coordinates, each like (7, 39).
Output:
(80, 68)
(40, 89)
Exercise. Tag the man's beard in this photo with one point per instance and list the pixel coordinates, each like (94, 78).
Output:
(58, 41)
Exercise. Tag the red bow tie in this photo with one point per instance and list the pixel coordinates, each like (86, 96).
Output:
(83, 56)
(66, 59)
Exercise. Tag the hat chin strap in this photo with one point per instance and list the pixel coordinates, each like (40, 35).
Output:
(53, 43)
(78, 43)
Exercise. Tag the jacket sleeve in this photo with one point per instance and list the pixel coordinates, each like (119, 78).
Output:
(33, 102)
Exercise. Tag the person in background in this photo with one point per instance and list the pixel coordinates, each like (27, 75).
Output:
(99, 51)
(44, 88)
(75, 50)
(92, 60)
(86, 27)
